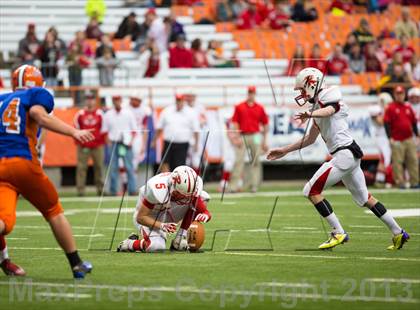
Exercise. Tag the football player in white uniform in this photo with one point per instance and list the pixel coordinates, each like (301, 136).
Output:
(329, 114)
(165, 200)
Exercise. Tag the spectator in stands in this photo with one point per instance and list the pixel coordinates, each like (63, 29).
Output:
(49, 53)
(373, 64)
(316, 60)
(179, 125)
(401, 127)
(356, 60)
(337, 64)
(341, 7)
(159, 31)
(180, 56)
(176, 27)
(397, 59)
(413, 69)
(396, 76)
(224, 12)
(298, 61)
(58, 41)
(406, 26)
(91, 118)
(129, 28)
(120, 126)
(406, 51)
(93, 30)
(363, 33)
(215, 58)
(77, 60)
(153, 63)
(381, 52)
(250, 18)
(304, 11)
(80, 40)
(350, 41)
(28, 46)
(199, 56)
(106, 66)
(1, 83)
(106, 43)
(96, 9)
(238, 7)
(279, 16)
(251, 120)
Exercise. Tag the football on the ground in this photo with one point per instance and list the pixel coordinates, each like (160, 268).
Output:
(196, 236)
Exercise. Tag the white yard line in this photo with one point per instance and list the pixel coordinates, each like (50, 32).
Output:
(367, 226)
(215, 291)
(394, 280)
(283, 284)
(297, 193)
(409, 259)
(64, 295)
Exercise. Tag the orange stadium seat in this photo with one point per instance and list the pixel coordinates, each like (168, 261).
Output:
(181, 10)
(93, 43)
(121, 44)
(225, 27)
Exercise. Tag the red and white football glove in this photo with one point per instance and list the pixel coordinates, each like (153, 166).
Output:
(202, 217)
(168, 227)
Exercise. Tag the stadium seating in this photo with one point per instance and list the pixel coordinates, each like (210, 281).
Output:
(275, 46)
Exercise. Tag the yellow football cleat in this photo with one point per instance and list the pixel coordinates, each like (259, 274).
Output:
(399, 240)
(334, 240)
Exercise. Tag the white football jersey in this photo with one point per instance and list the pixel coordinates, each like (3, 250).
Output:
(334, 129)
(156, 193)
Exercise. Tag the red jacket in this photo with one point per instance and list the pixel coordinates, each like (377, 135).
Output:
(400, 117)
(180, 57)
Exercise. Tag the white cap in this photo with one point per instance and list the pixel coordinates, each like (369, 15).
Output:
(385, 98)
(415, 91)
(137, 94)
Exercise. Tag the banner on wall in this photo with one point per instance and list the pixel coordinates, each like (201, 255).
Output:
(283, 130)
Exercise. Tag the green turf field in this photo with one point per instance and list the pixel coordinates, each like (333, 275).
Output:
(361, 274)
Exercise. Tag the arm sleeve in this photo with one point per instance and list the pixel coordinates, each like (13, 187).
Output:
(42, 97)
(335, 105)
(415, 129)
(387, 130)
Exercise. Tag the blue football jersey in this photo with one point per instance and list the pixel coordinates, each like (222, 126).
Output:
(18, 133)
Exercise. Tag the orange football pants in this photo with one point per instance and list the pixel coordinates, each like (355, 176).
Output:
(22, 176)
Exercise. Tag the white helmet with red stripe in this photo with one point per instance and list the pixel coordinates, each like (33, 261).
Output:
(308, 81)
(185, 184)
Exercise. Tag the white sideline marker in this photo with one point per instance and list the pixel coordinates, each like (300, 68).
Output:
(64, 295)
(413, 212)
(394, 280)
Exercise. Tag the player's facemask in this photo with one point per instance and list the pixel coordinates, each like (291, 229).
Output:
(302, 98)
(181, 198)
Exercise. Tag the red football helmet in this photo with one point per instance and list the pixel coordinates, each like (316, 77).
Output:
(27, 76)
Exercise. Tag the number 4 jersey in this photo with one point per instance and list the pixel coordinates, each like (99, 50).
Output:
(18, 132)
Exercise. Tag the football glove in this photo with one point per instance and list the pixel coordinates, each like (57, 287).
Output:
(180, 243)
(202, 217)
(168, 227)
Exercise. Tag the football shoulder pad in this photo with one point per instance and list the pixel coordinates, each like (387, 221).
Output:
(330, 94)
(157, 189)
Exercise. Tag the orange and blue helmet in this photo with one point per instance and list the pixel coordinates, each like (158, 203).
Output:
(27, 76)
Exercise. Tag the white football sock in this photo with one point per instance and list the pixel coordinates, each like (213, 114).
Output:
(334, 223)
(4, 254)
(391, 223)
